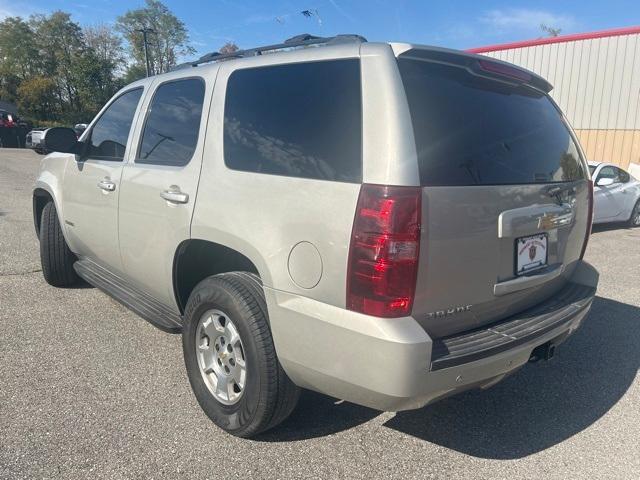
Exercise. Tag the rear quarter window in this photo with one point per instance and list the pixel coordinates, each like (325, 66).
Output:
(299, 120)
(471, 130)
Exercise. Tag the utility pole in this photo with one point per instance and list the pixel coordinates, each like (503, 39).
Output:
(144, 32)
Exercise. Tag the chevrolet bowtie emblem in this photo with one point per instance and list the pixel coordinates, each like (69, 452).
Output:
(547, 221)
(554, 220)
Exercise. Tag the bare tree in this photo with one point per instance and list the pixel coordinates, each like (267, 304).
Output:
(106, 44)
(229, 47)
(549, 30)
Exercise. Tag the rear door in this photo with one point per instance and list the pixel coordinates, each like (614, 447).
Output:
(505, 195)
(159, 186)
(92, 183)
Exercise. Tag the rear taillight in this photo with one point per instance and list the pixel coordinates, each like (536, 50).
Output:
(383, 255)
(589, 220)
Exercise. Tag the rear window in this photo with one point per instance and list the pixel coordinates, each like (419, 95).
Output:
(298, 120)
(470, 130)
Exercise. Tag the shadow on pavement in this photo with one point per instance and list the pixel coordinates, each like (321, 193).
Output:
(607, 227)
(318, 415)
(538, 407)
(546, 403)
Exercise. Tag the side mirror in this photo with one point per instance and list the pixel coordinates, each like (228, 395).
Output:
(61, 139)
(604, 182)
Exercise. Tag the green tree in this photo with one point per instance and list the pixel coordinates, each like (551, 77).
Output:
(61, 43)
(169, 41)
(36, 97)
(18, 56)
(94, 82)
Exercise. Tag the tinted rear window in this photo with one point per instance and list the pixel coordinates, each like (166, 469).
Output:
(173, 123)
(475, 131)
(299, 120)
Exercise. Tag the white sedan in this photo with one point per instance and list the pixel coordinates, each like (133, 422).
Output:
(616, 195)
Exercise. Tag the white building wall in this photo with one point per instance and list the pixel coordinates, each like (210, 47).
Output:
(597, 84)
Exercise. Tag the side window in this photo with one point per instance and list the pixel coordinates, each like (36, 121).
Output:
(108, 138)
(299, 120)
(173, 122)
(623, 176)
(608, 172)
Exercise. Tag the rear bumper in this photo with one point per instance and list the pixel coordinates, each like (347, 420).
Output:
(392, 364)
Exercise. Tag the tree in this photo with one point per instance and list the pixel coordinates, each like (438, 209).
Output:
(18, 52)
(169, 41)
(95, 84)
(550, 31)
(18, 56)
(60, 42)
(36, 97)
(229, 47)
(106, 44)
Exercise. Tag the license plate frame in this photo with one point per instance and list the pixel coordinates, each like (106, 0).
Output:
(531, 253)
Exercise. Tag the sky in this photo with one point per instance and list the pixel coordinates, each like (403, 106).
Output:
(455, 24)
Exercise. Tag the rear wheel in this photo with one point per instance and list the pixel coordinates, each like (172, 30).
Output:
(56, 258)
(230, 357)
(634, 220)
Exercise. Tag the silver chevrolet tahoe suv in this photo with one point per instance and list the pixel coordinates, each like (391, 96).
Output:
(384, 223)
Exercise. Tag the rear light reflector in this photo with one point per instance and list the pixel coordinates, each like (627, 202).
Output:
(384, 251)
(587, 233)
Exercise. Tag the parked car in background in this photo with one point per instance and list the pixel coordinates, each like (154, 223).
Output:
(34, 140)
(13, 130)
(7, 119)
(616, 194)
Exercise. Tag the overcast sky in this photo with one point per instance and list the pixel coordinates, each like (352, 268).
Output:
(456, 24)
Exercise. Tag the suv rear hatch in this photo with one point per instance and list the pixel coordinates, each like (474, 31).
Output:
(505, 192)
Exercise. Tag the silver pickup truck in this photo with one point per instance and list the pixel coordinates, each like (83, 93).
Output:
(388, 224)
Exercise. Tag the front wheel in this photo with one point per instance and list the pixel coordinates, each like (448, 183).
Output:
(230, 357)
(634, 220)
(55, 256)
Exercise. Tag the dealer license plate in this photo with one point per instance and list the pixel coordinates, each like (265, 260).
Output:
(531, 253)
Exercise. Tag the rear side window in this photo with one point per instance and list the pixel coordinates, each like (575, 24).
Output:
(470, 130)
(299, 120)
(108, 140)
(173, 122)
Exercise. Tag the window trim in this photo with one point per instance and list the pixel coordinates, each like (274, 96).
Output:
(89, 132)
(357, 59)
(148, 112)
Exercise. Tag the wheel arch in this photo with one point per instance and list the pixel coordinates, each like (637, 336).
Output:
(197, 259)
(41, 196)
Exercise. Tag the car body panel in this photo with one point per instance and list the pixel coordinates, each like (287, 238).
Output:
(615, 202)
(151, 228)
(91, 214)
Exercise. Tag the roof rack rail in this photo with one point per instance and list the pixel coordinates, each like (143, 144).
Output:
(302, 40)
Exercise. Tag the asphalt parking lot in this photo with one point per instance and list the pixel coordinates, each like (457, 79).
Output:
(90, 390)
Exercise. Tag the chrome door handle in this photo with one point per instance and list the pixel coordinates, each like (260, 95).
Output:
(106, 185)
(175, 196)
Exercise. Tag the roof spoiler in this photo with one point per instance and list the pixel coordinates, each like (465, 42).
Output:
(477, 64)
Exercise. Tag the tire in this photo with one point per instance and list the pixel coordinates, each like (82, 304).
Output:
(56, 258)
(634, 219)
(267, 396)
